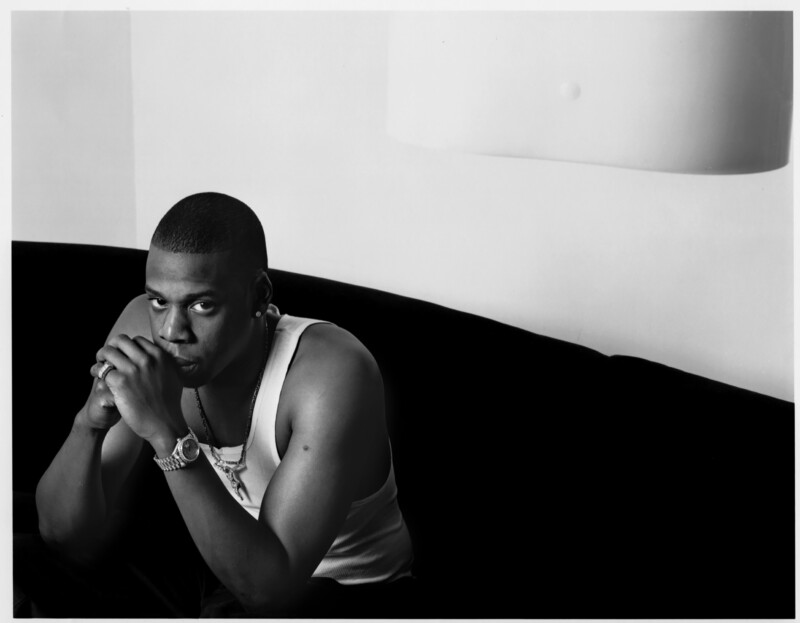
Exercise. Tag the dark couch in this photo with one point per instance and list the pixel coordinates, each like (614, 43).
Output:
(538, 478)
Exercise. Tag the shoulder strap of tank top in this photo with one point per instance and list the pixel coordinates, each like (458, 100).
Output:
(284, 344)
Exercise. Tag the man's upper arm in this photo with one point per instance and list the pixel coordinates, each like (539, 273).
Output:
(337, 430)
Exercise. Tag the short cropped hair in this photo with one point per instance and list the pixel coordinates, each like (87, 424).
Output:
(211, 222)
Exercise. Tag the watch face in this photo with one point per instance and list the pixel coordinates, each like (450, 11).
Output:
(190, 449)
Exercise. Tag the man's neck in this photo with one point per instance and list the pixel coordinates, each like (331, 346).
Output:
(231, 392)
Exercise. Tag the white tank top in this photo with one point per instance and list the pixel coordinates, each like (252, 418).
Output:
(373, 544)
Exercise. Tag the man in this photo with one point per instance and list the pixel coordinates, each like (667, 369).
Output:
(269, 429)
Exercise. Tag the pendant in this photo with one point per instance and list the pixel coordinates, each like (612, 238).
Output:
(231, 470)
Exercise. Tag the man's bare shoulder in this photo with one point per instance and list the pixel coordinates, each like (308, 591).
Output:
(335, 402)
(333, 368)
(324, 345)
(134, 319)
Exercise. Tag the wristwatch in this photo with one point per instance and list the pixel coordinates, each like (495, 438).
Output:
(186, 451)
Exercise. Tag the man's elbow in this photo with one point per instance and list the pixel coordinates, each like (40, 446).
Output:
(51, 529)
(280, 602)
(81, 554)
(49, 533)
(70, 542)
(271, 599)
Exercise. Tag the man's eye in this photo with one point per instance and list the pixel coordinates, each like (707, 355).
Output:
(203, 306)
(157, 303)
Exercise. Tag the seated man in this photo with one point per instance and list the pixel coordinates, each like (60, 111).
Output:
(269, 429)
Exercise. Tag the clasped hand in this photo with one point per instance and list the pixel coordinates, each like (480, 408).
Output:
(144, 387)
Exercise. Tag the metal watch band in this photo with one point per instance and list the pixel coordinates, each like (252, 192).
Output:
(170, 463)
(174, 461)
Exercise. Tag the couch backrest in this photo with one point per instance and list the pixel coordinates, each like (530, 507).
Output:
(65, 299)
(538, 478)
(479, 412)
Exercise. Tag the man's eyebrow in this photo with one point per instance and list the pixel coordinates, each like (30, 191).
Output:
(191, 296)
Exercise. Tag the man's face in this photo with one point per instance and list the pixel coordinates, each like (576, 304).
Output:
(200, 311)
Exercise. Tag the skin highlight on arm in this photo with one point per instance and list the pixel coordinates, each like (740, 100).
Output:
(77, 496)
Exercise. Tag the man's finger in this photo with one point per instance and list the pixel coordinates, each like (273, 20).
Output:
(116, 358)
(96, 369)
(147, 346)
(107, 398)
(130, 348)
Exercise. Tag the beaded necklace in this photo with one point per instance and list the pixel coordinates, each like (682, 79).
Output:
(231, 469)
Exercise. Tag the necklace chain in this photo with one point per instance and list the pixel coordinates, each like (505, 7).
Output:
(231, 468)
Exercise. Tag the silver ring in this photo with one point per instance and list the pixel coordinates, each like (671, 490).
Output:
(103, 371)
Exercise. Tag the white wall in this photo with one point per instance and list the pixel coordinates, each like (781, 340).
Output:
(72, 128)
(287, 112)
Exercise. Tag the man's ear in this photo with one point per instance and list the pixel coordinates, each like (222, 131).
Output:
(262, 287)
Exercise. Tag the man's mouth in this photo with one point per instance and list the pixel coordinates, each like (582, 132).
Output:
(184, 364)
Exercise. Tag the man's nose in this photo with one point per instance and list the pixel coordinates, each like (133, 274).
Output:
(175, 327)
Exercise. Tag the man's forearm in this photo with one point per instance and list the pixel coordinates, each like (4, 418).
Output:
(69, 497)
(245, 555)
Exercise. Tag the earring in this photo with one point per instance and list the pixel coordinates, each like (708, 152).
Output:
(258, 314)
